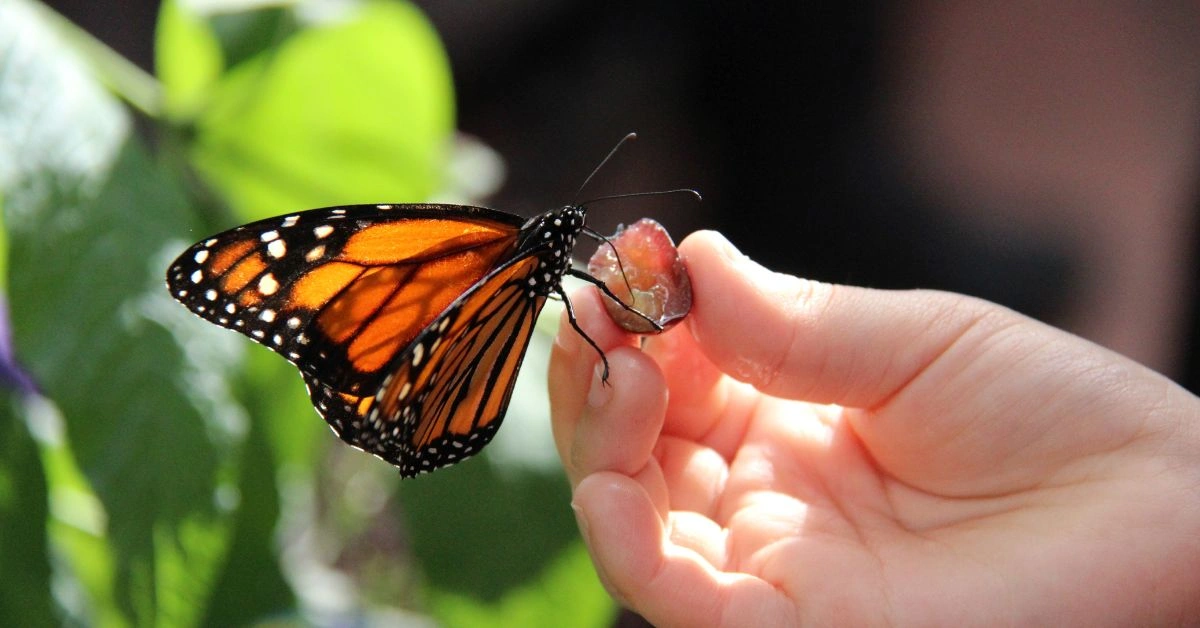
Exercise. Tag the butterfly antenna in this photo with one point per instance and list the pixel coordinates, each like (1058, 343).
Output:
(636, 194)
(627, 138)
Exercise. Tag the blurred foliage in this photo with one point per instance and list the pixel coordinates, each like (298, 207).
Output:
(162, 471)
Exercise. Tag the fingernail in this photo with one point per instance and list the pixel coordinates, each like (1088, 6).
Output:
(743, 262)
(581, 521)
(599, 392)
(728, 249)
(566, 338)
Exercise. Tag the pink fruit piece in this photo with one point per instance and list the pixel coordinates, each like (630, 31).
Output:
(655, 281)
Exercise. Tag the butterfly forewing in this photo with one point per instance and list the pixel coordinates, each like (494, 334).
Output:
(340, 291)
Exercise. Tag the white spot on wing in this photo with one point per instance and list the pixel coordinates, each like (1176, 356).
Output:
(418, 354)
(268, 285)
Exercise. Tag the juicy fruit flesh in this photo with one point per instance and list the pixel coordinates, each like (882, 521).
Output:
(655, 281)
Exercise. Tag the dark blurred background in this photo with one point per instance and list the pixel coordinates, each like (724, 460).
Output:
(1041, 155)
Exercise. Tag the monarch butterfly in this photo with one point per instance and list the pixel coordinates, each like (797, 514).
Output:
(408, 322)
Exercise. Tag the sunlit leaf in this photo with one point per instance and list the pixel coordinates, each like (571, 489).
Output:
(25, 596)
(356, 109)
(566, 594)
(187, 59)
(480, 532)
(150, 425)
(252, 584)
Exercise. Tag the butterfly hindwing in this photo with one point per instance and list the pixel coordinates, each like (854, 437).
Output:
(445, 396)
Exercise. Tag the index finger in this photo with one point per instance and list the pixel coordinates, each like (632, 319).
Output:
(599, 426)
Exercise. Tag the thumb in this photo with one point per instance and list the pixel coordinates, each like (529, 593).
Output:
(950, 389)
(825, 343)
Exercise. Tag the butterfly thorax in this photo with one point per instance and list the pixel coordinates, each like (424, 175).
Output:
(551, 237)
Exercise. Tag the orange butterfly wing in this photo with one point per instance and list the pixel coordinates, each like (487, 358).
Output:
(408, 322)
(340, 291)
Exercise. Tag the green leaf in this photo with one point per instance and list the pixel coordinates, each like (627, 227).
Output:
(357, 109)
(141, 385)
(187, 59)
(252, 584)
(480, 532)
(25, 596)
(78, 522)
(285, 434)
(3, 251)
(157, 443)
(244, 34)
(275, 394)
(567, 594)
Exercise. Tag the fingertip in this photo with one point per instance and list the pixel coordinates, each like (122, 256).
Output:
(622, 530)
(744, 316)
(570, 344)
(621, 421)
(708, 242)
(593, 318)
(599, 391)
(573, 361)
(666, 584)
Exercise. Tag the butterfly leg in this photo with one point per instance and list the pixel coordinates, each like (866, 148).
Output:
(609, 293)
(575, 324)
(616, 254)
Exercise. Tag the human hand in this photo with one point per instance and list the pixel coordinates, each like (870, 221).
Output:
(979, 467)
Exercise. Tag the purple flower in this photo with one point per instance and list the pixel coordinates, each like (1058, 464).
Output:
(11, 373)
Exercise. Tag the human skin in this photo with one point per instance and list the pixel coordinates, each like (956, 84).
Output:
(806, 453)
